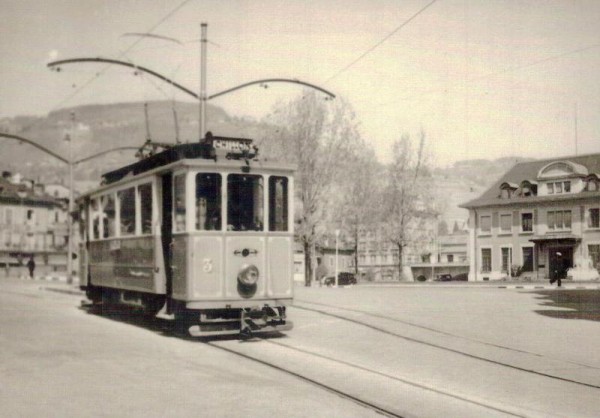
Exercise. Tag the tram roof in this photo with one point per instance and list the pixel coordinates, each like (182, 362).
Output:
(192, 155)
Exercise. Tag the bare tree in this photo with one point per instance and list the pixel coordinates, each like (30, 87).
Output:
(317, 136)
(361, 192)
(407, 205)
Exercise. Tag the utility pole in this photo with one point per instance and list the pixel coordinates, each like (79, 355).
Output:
(576, 129)
(69, 138)
(203, 41)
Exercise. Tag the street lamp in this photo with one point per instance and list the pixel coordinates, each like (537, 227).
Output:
(337, 236)
(68, 138)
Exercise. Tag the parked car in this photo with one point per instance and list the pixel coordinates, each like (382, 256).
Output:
(344, 279)
(462, 277)
(443, 278)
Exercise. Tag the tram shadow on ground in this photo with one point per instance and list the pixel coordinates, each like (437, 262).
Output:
(582, 304)
(163, 326)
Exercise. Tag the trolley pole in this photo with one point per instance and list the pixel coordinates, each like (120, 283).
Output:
(203, 41)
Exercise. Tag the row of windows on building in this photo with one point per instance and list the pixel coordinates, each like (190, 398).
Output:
(10, 216)
(383, 258)
(557, 220)
(528, 188)
(526, 261)
(507, 261)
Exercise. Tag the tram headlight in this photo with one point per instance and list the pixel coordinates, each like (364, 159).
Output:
(248, 275)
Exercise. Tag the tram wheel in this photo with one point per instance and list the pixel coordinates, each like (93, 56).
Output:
(153, 304)
(94, 294)
(183, 322)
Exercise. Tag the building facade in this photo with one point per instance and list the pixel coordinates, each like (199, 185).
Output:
(32, 224)
(450, 256)
(378, 257)
(539, 221)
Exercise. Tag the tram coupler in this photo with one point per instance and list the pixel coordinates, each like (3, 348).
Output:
(257, 319)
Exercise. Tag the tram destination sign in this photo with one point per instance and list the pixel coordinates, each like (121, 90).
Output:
(232, 145)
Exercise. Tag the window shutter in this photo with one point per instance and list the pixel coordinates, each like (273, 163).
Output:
(516, 218)
(495, 220)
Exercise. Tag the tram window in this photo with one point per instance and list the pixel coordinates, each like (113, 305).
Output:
(127, 211)
(245, 202)
(95, 214)
(145, 195)
(179, 202)
(208, 202)
(108, 215)
(278, 204)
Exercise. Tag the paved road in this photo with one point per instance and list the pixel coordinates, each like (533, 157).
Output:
(420, 351)
(58, 361)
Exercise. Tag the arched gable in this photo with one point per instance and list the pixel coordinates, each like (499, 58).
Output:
(561, 169)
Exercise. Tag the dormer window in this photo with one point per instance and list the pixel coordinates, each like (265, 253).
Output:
(528, 188)
(507, 190)
(592, 183)
(559, 187)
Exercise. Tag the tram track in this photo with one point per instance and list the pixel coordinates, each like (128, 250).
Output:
(368, 404)
(442, 347)
(440, 332)
(330, 388)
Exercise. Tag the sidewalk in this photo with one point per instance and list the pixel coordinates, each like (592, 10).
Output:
(57, 283)
(498, 284)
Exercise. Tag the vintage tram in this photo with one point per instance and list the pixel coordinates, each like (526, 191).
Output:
(202, 232)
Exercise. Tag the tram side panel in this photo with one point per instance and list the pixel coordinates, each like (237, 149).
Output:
(127, 264)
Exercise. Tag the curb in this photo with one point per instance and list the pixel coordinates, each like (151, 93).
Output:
(64, 291)
(533, 287)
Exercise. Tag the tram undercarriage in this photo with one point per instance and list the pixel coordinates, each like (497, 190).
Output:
(198, 322)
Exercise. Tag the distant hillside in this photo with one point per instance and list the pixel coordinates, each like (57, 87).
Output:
(467, 180)
(102, 127)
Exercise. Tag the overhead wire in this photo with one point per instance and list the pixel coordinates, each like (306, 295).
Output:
(494, 74)
(389, 35)
(104, 69)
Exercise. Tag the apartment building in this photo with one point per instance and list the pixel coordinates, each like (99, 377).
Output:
(540, 220)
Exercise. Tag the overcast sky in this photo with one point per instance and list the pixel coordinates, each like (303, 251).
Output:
(484, 79)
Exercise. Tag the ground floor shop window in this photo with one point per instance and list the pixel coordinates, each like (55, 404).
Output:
(506, 259)
(486, 260)
(527, 259)
(594, 251)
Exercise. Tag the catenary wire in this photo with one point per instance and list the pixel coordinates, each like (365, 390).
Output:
(389, 35)
(103, 70)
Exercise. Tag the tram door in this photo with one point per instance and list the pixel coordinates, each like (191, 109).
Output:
(167, 231)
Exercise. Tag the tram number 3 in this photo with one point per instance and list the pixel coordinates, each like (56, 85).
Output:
(207, 265)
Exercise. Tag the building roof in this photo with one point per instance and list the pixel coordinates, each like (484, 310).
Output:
(20, 194)
(529, 171)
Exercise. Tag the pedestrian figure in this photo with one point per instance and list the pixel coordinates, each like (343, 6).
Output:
(31, 267)
(558, 272)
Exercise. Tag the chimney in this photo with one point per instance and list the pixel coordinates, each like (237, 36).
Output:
(38, 189)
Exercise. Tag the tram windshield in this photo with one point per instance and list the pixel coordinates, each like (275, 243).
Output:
(245, 211)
